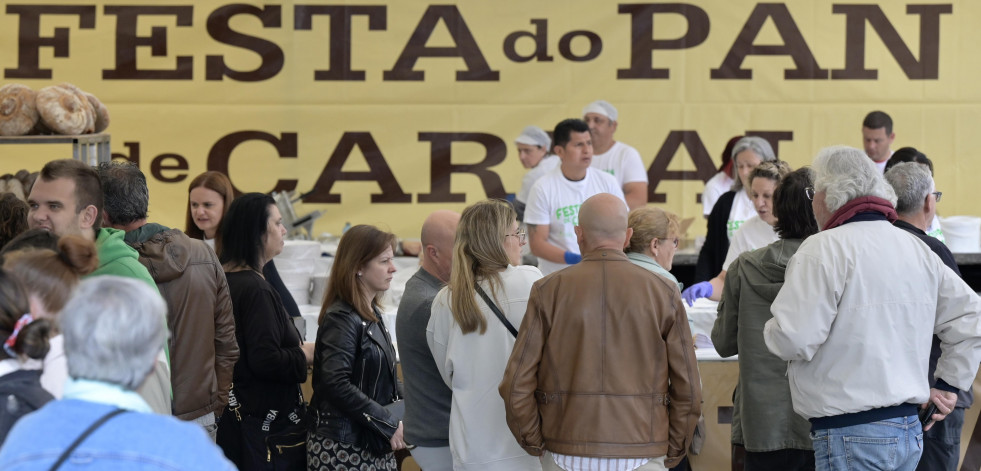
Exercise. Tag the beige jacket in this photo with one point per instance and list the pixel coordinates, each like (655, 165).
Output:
(603, 365)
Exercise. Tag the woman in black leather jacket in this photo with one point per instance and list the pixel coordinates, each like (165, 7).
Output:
(354, 361)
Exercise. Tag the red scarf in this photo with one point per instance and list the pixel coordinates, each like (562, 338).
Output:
(861, 204)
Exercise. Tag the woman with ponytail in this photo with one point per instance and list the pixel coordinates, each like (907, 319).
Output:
(49, 278)
(25, 342)
(472, 331)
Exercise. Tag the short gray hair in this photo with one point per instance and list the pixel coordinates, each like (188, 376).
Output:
(844, 173)
(114, 328)
(759, 146)
(125, 194)
(912, 183)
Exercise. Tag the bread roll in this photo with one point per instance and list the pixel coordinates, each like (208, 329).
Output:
(18, 113)
(101, 113)
(65, 110)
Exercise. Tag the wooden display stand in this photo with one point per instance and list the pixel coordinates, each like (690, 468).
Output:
(89, 148)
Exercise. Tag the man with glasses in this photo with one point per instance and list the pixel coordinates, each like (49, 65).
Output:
(855, 316)
(916, 203)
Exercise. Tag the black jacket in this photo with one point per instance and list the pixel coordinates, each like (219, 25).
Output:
(353, 378)
(713, 253)
(20, 394)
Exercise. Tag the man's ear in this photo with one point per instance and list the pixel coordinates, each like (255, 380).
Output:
(88, 216)
(630, 233)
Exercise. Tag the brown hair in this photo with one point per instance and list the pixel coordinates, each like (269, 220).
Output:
(13, 217)
(219, 183)
(52, 275)
(32, 340)
(88, 187)
(649, 224)
(478, 254)
(357, 247)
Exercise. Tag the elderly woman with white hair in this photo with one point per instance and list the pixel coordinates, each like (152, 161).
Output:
(855, 317)
(101, 421)
(734, 207)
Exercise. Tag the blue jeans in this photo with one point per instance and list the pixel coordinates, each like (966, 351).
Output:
(892, 444)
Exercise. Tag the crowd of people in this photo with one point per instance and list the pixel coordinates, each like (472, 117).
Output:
(130, 344)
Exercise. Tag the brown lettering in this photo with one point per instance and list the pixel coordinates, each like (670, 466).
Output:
(134, 153)
(270, 53)
(793, 46)
(466, 48)
(159, 165)
(643, 44)
(221, 152)
(30, 40)
(340, 34)
(595, 45)
(856, 16)
(540, 37)
(658, 171)
(378, 171)
(443, 167)
(127, 41)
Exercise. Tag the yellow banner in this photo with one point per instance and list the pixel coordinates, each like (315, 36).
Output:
(385, 111)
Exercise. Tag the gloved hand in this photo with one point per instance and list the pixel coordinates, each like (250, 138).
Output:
(572, 258)
(695, 291)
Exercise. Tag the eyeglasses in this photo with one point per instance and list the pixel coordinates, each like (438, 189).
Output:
(809, 193)
(938, 194)
(521, 235)
(675, 241)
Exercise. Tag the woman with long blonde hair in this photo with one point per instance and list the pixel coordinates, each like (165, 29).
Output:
(472, 330)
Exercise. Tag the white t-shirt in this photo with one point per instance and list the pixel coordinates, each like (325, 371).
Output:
(752, 234)
(623, 162)
(554, 201)
(935, 231)
(544, 166)
(742, 210)
(714, 188)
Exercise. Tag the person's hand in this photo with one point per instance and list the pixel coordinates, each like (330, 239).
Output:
(945, 401)
(397, 441)
(307, 348)
(695, 291)
(572, 258)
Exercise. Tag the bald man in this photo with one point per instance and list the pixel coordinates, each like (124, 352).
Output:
(599, 344)
(427, 398)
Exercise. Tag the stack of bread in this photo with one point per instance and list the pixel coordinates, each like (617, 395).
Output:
(58, 109)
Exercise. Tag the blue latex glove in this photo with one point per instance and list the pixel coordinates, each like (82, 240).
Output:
(572, 258)
(695, 291)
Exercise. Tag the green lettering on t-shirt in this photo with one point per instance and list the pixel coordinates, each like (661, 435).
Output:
(732, 227)
(610, 171)
(568, 214)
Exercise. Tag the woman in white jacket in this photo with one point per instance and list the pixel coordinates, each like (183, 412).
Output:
(471, 344)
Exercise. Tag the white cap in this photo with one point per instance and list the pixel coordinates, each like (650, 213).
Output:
(601, 107)
(534, 136)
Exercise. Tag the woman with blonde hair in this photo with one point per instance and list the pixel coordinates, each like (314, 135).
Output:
(472, 330)
(654, 241)
(354, 361)
(49, 278)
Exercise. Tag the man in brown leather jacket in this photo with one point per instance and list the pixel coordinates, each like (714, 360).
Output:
(203, 349)
(603, 371)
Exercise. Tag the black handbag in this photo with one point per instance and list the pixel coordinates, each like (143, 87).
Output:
(251, 443)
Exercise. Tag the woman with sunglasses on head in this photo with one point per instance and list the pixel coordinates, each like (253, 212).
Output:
(472, 331)
(764, 421)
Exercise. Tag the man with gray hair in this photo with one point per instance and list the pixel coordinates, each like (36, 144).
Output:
(203, 349)
(858, 337)
(916, 204)
(613, 157)
(113, 329)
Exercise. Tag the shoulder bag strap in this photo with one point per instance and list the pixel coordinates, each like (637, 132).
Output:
(78, 441)
(497, 312)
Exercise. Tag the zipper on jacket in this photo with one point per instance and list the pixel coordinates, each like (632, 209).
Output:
(370, 418)
(364, 363)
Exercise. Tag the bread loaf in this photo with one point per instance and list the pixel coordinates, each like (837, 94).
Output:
(18, 114)
(65, 110)
(101, 112)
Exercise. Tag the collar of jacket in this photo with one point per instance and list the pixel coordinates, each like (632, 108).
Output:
(604, 254)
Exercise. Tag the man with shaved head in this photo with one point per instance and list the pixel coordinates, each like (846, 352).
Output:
(427, 398)
(604, 342)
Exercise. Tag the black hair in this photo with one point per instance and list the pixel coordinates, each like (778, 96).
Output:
(909, 154)
(876, 120)
(795, 216)
(563, 131)
(125, 194)
(243, 230)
